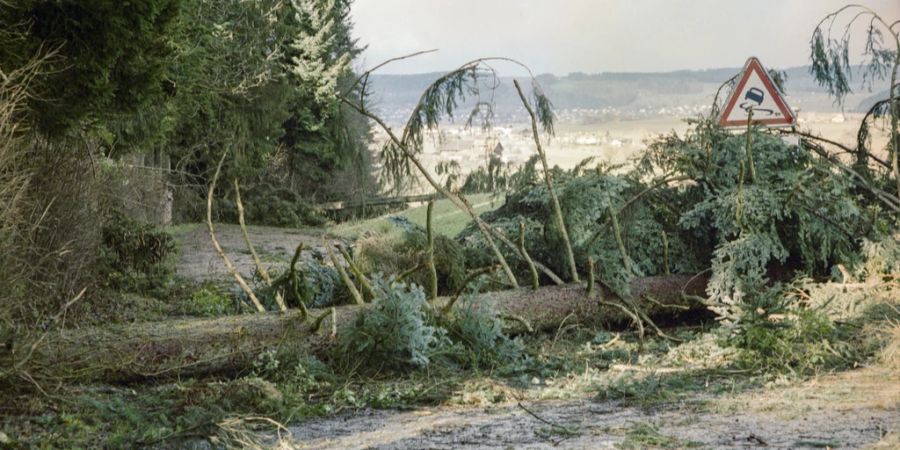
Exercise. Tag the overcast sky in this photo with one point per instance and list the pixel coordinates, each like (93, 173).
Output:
(563, 36)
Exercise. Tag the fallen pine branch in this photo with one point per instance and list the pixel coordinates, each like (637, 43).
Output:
(229, 345)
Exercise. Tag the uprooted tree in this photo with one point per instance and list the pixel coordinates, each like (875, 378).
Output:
(195, 347)
(749, 209)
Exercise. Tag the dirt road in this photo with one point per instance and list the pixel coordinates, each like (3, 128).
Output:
(199, 261)
(850, 410)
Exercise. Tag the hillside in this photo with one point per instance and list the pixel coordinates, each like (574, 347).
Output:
(625, 95)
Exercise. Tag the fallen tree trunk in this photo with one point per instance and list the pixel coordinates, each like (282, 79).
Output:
(198, 347)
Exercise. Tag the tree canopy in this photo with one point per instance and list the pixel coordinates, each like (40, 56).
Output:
(192, 79)
(112, 59)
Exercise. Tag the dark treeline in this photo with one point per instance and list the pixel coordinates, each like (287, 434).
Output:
(90, 87)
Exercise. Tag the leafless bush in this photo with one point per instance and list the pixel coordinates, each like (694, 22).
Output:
(63, 201)
(49, 229)
(14, 181)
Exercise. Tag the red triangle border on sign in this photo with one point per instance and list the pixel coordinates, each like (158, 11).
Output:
(753, 64)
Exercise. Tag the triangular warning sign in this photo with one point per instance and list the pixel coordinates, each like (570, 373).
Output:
(756, 94)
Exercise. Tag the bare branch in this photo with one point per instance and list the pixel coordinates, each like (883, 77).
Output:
(256, 261)
(357, 297)
(365, 75)
(212, 235)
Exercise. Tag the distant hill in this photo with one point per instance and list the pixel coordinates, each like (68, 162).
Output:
(622, 94)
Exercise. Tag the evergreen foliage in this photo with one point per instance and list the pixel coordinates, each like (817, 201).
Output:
(272, 205)
(394, 333)
(587, 196)
(830, 51)
(112, 56)
(750, 207)
(487, 179)
(812, 326)
(171, 80)
(191, 79)
(767, 210)
(440, 102)
(476, 331)
(403, 331)
(309, 282)
(137, 256)
(321, 136)
(831, 67)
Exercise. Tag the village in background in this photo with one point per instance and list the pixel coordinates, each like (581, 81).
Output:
(606, 116)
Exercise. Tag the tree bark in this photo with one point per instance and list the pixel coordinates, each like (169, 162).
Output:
(230, 345)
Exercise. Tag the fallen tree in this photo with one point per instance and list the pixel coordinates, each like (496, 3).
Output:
(230, 345)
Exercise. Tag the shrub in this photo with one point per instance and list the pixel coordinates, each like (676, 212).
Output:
(317, 285)
(134, 188)
(393, 334)
(14, 179)
(207, 301)
(136, 255)
(60, 242)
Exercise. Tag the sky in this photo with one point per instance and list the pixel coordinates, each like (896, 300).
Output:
(592, 36)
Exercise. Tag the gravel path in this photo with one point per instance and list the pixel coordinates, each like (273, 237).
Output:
(859, 409)
(199, 261)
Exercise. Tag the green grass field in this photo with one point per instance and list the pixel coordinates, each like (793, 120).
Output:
(448, 220)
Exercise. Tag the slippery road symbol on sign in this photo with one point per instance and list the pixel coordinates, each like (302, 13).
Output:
(755, 96)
